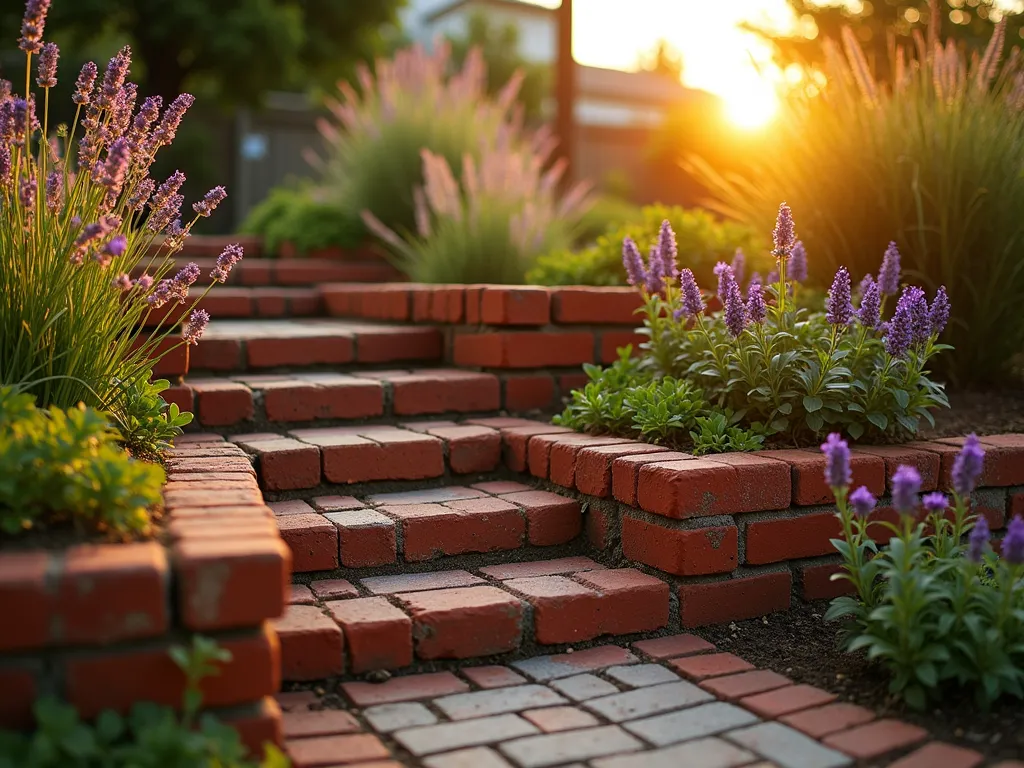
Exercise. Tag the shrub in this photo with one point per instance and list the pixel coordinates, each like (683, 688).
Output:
(73, 228)
(701, 239)
(67, 466)
(933, 611)
(931, 159)
(606, 214)
(305, 218)
(489, 226)
(768, 366)
(152, 736)
(407, 105)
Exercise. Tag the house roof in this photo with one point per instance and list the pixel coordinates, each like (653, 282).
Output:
(518, 5)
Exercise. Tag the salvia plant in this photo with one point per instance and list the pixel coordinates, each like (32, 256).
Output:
(780, 370)
(87, 238)
(935, 604)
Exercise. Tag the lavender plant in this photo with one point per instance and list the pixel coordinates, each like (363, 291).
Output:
(934, 608)
(87, 239)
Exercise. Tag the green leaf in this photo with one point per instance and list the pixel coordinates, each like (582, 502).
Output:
(879, 420)
(902, 397)
(814, 421)
(812, 403)
(856, 430)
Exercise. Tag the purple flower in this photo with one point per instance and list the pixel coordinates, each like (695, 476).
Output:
(755, 279)
(54, 191)
(113, 78)
(5, 164)
(920, 323)
(668, 252)
(935, 502)
(756, 309)
(1013, 542)
(784, 235)
(121, 113)
(967, 466)
(230, 256)
(112, 174)
(144, 283)
(20, 120)
(193, 329)
(636, 275)
(906, 484)
(168, 127)
(865, 283)
(739, 265)
(160, 218)
(655, 273)
(693, 302)
(837, 461)
(84, 84)
(32, 25)
(176, 288)
(978, 540)
(870, 309)
(862, 502)
(838, 307)
(210, 201)
(900, 331)
(889, 273)
(724, 274)
(112, 249)
(122, 283)
(140, 196)
(27, 194)
(47, 73)
(735, 311)
(797, 269)
(139, 131)
(938, 314)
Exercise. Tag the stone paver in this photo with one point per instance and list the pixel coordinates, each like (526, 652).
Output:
(474, 757)
(877, 738)
(492, 676)
(673, 646)
(392, 717)
(787, 747)
(705, 720)
(418, 582)
(939, 754)
(702, 753)
(642, 675)
(410, 688)
(832, 718)
(444, 737)
(543, 668)
(648, 701)
(583, 687)
(463, 706)
(558, 748)
(554, 719)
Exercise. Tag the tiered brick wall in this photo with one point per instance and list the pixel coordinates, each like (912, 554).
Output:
(536, 338)
(93, 623)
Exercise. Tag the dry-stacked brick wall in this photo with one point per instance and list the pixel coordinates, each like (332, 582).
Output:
(93, 623)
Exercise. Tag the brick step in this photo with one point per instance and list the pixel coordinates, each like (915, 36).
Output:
(377, 530)
(337, 627)
(290, 272)
(232, 303)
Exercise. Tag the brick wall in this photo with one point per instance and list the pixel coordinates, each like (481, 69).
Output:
(92, 623)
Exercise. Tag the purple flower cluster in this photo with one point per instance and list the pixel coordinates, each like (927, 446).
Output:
(230, 256)
(757, 310)
(837, 461)
(193, 330)
(935, 502)
(732, 300)
(938, 313)
(47, 74)
(661, 261)
(797, 269)
(967, 466)
(838, 305)
(54, 191)
(906, 485)
(32, 25)
(1013, 542)
(668, 251)
(870, 311)
(210, 201)
(5, 165)
(122, 283)
(139, 130)
(977, 541)
(889, 274)
(692, 301)
(165, 132)
(84, 84)
(166, 203)
(862, 501)
(784, 234)
(914, 321)
(114, 77)
(739, 265)
(175, 289)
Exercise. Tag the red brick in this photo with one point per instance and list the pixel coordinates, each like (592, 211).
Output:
(551, 519)
(366, 538)
(171, 357)
(336, 503)
(876, 738)
(925, 462)
(735, 687)
(473, 525)
(515, 306)
(222, 584)
(809, 486)
(832, 718)
(492, 676)
(444, 391)
(217, 355)
(684, 552)
(270, 302)
(791, 538)
(568, 382)
(200, 497)
(673, 646)
(563, 456)
(599, 525)
(286, 464)
(613, 341)
(464, 622)
(558, 567)
(597, 306)
(313, 541)
(325, 751)
(437, 303)
(181, 396)
(525, 349)
(631, 601)
(26, 594)
(471, 449)
(708, 665)
(593, 466)
(339, 397)
(111, 592)
(784, 701)
(563, 611)
(378, 635)
(304, 723)
(300, 595)
(257, 725)
(939, 754)
(20, 693)
(1003, 465)
(527, 393)
(296, 701)
(818, 583)
(221, 403)
(312, 646)
(333, 589)
(626, 473)
(118, 679)
(384, 454)
(386, 345)
(387, 302)
(408, 688)
(271, 352)
(555, 719)
(517, 439)
(734, 599)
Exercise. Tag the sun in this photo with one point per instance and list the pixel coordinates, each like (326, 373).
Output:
(751, 108)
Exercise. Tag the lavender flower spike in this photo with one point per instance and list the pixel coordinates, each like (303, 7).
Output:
(230, 256)
(866, 281)
(889, 273)
(837, 461)
(756, 308)
(47, 75)
(724, 274)
(978, 540)
(935, 502)
(84, 84)
(1013, 542)
(921, 327)
(636, 275)
(838, 306)
(668, 251)
(739, 265)
(210, 201)
(735, 311)
(900, 332)
(54, 191)
(797, 269)
(862, 502)
(870, 311)
(655, 273)
(784, 235)
(938, 313)
(906, 484)
(967, 466)
(32, 25)
(693, 302)
(196, 325)
(122, 283)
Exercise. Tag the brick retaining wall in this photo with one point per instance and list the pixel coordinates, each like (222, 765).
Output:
(93, 623)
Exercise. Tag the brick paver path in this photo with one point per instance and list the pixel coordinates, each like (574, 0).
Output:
(671, 702)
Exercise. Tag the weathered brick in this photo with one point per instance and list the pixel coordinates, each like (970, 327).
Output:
(593, 471)
(333, 589)
(642, 675)
(555, 719)
(464, 622)
(738, 686)
(408, 688)
(302, 724)
(597, 305)
(703, 720)
(673, 646)
(312, 645)
(221, 403)
(700, 487)
(791, 538)
(471, 450)
(550, 519)
(699, 752)
(684, 552)
(419, 582)
(472, 525)
(328, 349)
(516, 440)
(563, 453)
(631, 601)
(786, 746)
(818, 583)
(711, 665)
(386, 718)
(527, 393)
(430, 739)
(492, 676)
(937, 753)
(324, 751)
(515, 306)
(257, 724)
(785, 701)
(312, 539)
(558, 748)
(390, 344)
(524, 349)
(300, 595)
(286, 464)
(583, 687)
(876, 738)
(563, 611)
(809, 486)
(543, 668)
(557, 567)
(925, 462)
(376, 454)
(378, 635)
(734, 599)
(444, 391)
(831, 718)
(366, 538)
(464, 706)
(626, 473)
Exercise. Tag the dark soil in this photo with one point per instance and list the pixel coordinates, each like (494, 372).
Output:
(800, 645)
(986, 413)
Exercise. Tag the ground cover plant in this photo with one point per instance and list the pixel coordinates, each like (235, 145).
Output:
(937, 611)
(859, 166)
(764, 368)
(305, 217)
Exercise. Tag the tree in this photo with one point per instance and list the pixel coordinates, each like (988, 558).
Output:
(663, 59)
(231, 50)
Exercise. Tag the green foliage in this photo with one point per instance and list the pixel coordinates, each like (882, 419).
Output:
(305, 218)
(702, 241)
(67, 466)
(145, 422)
(858, 167)
(933, 617)
(607, 213)
(715, 435)
(151, 736)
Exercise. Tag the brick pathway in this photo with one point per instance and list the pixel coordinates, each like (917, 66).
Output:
(672, 702)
